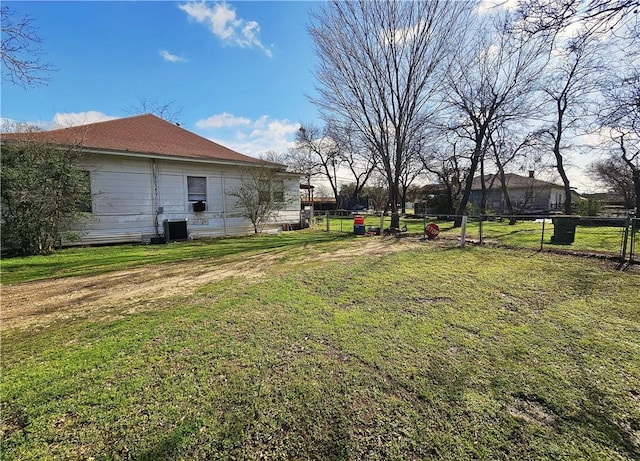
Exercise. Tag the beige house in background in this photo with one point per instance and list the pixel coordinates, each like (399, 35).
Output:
(527, 194)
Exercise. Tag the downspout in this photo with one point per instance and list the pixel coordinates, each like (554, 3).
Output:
(224, 203)
(154, 201)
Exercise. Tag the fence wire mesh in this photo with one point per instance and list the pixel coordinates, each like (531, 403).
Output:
(607, 237)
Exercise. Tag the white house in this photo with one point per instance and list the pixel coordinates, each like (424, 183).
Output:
(151, 178)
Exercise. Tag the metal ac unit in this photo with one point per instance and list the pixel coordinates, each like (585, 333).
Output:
(175, 230)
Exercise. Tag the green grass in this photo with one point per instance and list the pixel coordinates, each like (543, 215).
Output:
(524, 234)
(435, 353)
(97, 260)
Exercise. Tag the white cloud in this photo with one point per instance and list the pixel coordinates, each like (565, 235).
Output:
(222, 21)
(250, 137)
(8, 125)
(487, 6)
(68, 119)
(222, 120)
(171, 57)
(267, 129)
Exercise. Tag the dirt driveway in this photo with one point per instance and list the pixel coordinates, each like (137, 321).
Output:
(35, 305)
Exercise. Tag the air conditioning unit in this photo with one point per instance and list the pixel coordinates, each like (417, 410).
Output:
(175, 230)
(199, 206)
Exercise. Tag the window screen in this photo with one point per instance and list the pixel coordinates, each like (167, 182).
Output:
(196, 188)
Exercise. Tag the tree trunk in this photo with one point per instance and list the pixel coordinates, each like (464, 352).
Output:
(467, 188)
(561, 105)
(636, 185)
(505, 192)
(483, 201)
(393, 203)
(565, 179)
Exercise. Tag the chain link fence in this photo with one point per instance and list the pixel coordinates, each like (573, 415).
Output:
(600, 236)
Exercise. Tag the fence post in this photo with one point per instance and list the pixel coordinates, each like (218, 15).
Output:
(424, 226)
(480, 228)
(625, 237)
(463, 231)
(544, 219)
(634, 228)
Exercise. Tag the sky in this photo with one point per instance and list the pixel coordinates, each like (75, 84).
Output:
(237, 72)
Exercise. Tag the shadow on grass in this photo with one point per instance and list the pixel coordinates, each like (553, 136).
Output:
(600, 418)
(101, 260)
(166, 449)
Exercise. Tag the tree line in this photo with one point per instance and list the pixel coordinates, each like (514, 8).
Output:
(449, 91)
(406, 91)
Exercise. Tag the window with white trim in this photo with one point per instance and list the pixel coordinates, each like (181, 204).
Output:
(196, 188)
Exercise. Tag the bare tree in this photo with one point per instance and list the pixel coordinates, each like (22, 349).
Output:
(613, 173)
(630, 154)
(507, 149)
(11, 126)
(318, 144)
(621, 92)
(378, 68)
(304, 162)
(260, 196)
(164, 110)
(441, 160)
(619, 116)
(273, 156)
(411, 170)
(490, 84)
(570, 82)
(377, 193)
(21, 50)
(356, 158)
(546, 16)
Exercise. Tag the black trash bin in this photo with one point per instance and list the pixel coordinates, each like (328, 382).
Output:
(564, 230)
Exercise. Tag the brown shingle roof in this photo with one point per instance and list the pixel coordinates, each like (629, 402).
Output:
(143, 134)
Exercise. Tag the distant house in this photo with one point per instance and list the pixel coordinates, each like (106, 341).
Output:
(527, 194)
(149, 177)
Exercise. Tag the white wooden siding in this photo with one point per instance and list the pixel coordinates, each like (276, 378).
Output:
(126, 205)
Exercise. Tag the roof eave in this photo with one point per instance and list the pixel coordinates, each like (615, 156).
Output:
(175, 158)
(179, 158)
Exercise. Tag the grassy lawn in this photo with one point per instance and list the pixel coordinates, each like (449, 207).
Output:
(433, 353)
(96, 260)
(525, 234)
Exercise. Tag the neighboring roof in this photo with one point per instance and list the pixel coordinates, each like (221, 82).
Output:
(514, 181)
(141, 134)
(607, 198)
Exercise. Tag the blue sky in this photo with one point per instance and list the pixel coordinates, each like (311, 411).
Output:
(238, 72)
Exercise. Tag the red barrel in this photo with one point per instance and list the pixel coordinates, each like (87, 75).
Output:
(358, 225)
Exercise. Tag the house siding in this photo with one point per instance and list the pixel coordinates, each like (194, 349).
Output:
(520, 199)
(132, 197)
(534, 198)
